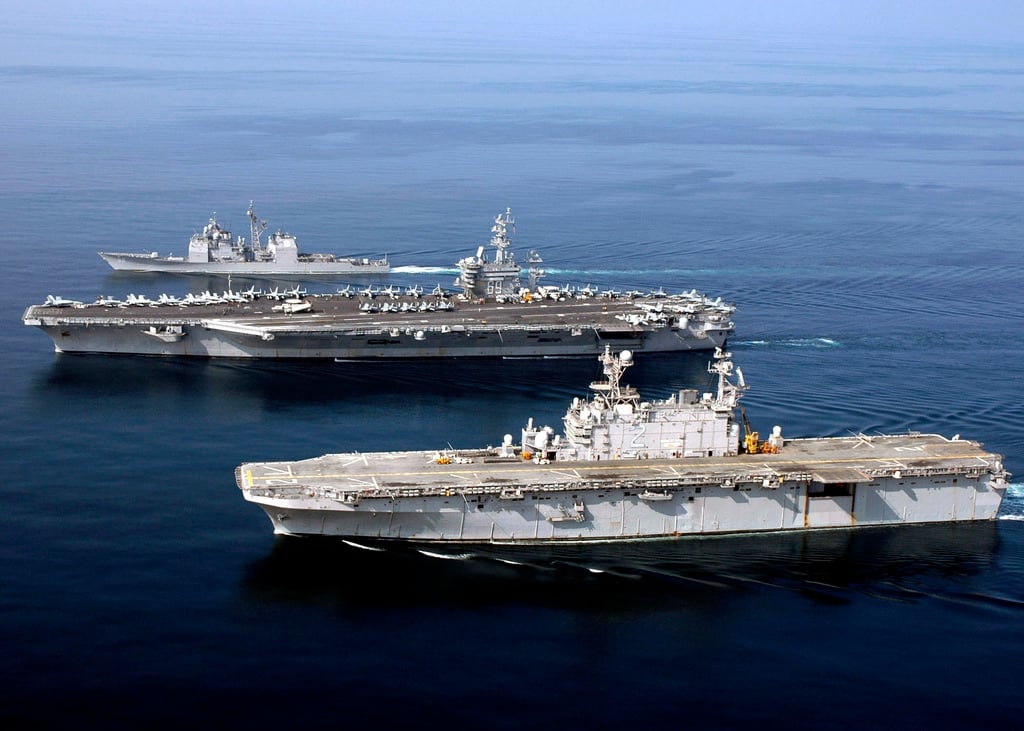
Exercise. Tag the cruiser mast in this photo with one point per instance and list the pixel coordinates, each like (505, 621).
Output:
(256, 229)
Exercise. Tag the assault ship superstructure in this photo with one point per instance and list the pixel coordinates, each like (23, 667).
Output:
(495, 315)
(214, 251)
(625, 468)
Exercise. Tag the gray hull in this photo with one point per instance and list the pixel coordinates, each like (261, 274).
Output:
(206, 339)
(336, 327)
(597, 508)
(629, 468)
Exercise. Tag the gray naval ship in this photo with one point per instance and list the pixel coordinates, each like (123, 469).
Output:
(495, 314)
(214, 251)
(627, 468)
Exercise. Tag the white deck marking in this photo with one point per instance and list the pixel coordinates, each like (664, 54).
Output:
(568, 473)
(372, 482)
(273, 468)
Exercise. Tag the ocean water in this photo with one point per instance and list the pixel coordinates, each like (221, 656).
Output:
(860, 201)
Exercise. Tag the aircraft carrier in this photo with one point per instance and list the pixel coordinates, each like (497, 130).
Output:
(625, 468)
(495, 314)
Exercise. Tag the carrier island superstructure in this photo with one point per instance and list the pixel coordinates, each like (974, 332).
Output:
(626, 468)
(495, 314)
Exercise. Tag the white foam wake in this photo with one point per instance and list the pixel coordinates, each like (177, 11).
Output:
(794, 343)
(424, 270)
(448, 556)
(360, 545)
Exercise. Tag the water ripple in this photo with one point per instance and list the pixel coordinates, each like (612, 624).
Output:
(903, 564)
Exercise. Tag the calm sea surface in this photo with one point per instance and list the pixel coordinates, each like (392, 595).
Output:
(861, 203)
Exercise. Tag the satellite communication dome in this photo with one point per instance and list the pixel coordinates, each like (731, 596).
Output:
(625, 356)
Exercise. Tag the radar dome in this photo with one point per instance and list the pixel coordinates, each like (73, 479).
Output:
(625, 356)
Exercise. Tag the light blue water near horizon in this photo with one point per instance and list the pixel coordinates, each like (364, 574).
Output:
(860, 201)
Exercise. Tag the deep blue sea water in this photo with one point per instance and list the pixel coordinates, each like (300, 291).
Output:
(861, 202)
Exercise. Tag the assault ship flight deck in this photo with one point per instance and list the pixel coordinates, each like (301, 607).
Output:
(494, 315)
(629, 469)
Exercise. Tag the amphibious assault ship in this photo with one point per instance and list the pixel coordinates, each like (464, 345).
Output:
(626, 468)
(214, 251)
(494, 315)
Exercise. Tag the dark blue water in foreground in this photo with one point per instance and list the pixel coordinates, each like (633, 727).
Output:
(862, 204)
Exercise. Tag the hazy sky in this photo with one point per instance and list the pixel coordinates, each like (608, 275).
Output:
(963, 20)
